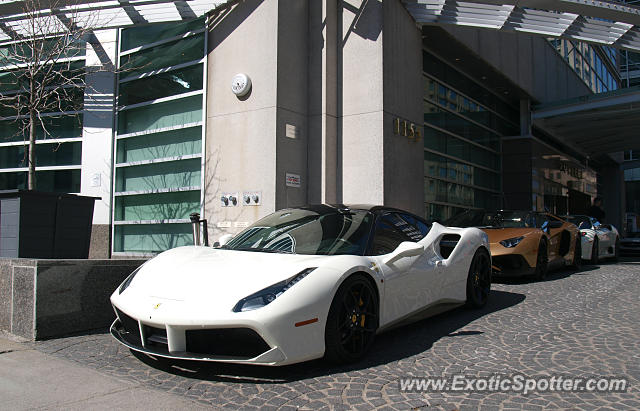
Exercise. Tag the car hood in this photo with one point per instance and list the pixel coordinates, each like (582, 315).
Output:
(499, 234)
(193, 273)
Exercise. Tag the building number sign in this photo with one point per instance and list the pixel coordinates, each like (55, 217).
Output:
(406, 129)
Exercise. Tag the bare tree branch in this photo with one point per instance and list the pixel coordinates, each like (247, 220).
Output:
(43, 70)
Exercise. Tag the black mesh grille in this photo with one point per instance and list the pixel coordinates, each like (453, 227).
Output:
(154, 335)
(510, 262)
(130, 326)
(233, 342)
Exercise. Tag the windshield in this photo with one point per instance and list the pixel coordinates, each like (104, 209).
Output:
(481, 218)
(304, 231)
(580, 220)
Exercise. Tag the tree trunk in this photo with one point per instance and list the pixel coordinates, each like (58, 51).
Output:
(31, 177)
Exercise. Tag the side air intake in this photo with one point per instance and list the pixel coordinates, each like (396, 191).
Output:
(447, 243)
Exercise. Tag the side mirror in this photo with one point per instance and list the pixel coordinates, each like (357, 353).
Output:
(555, 224)
(405, 249)
(223, 240)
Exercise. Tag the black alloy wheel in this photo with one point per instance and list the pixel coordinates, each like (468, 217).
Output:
(352, 321)
(577, 254)
(542, 261)
(479, 280)
(595, 251)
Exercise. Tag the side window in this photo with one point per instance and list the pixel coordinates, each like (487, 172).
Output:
(415, 229)
(541, 219)
(388, 234)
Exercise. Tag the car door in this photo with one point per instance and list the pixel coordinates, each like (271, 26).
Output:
(407, 280)
(553, 235)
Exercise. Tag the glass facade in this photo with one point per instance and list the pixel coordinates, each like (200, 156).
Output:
(158, 153)
(58, 134)
(595, 65)
(463, 127)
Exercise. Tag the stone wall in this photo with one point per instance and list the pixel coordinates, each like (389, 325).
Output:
(50, 298)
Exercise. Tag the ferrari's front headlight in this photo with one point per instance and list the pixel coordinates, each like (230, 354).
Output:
(128, 280)
(267, 295)
(511, 242)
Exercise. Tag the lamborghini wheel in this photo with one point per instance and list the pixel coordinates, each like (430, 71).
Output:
(479, 279)
(542, 261)
(577, 255)
(352, 321)
(595, 258)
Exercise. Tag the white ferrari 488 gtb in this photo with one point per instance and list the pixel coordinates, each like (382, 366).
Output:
(598, 240)
(301, 283)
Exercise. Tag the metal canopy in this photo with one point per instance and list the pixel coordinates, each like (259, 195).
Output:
(101, 14)
(605, 23)
(599, 123)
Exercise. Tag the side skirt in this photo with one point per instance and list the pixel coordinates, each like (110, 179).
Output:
(431, 310)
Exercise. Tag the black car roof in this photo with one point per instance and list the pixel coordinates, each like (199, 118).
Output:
(326, 208)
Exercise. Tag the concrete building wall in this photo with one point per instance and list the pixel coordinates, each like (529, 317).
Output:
(292, 101)
(240, 150)
(327, 85)
(381, 81)
(403, 94)
(611, 187)
(528, 61)
(360, 94)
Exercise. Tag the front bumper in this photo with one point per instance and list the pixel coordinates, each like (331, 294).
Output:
(142, 343)
(271, 335)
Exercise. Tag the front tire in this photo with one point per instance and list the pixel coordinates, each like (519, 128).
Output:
(595, 258)
(479, 280)
(542, 261)
(352, 321)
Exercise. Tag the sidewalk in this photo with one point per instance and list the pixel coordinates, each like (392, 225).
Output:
(32, 380)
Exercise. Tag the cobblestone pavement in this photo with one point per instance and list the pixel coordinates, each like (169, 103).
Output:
(574, 324)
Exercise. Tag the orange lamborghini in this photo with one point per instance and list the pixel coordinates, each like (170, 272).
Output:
(525, 242)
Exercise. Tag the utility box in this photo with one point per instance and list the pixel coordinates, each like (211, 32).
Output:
(36, 224)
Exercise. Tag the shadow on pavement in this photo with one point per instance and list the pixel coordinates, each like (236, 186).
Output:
(551, 276)
(390, 346)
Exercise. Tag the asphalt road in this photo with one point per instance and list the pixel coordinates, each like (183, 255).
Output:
(575, 324)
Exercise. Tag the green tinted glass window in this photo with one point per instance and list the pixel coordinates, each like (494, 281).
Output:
(173, 174)
(10, 181)
(161, 85)
(160, 145)
(46, 155)
(163, 206)
(58, 181)
(163, 56)
(150, 238)
(442, 71)
(443, 168)
(9, 81)
(57, 127)
(54, 49)
(444, 143)
(139, 36)
(66, 99)
(161, 115)
(434, 115)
